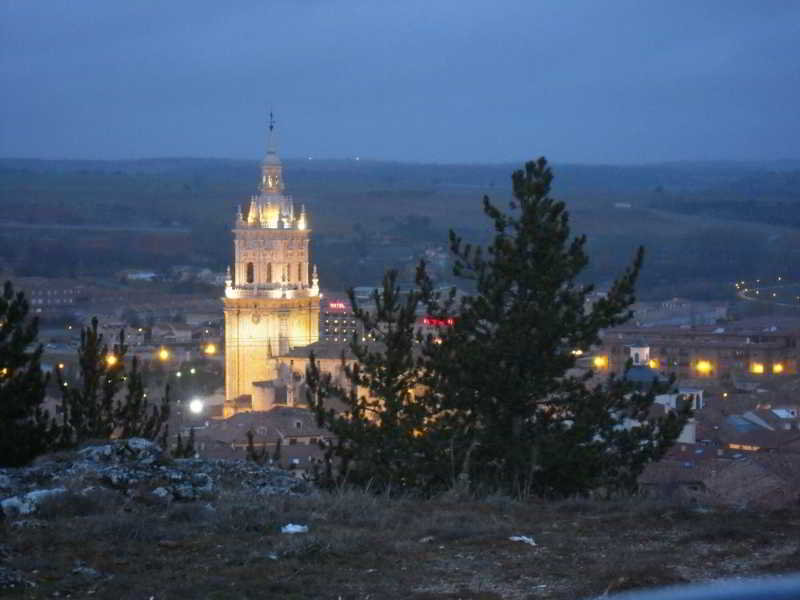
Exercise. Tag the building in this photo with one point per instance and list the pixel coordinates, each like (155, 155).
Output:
(272, 297)
(703, 353)
(337, 322)
(50, 296)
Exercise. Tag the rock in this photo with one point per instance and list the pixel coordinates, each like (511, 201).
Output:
(161, 492)
(136, 470)
(28, 524)
(87, 572)
(185, 492)
(136, 450)
(28, 503)
(12, 579)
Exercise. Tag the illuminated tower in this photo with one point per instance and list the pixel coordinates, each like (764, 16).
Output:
(271, 299)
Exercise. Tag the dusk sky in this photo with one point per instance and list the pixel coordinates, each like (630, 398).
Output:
(425, 81)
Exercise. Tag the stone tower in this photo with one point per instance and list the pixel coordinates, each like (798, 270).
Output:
(271, 299)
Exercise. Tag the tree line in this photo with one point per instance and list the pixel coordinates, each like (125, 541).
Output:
(107, 400)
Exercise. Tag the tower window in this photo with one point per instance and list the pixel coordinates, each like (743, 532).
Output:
(269, 272)
(300, 272)
(250, 273)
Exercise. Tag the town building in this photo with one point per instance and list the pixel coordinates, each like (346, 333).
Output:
(709, 353)
(272, 297)
(337, 322)
(51, 296)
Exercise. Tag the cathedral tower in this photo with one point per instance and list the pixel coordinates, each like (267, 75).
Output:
(271, 299)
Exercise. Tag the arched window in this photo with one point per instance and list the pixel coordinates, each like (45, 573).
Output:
(300, 272)
(250, 273)
(269, 272)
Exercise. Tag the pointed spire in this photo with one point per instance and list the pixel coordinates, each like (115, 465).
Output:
(315, 282)
(252, 214)
(272, 142)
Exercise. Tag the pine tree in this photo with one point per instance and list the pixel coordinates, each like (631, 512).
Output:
(501, 407)
(276, 455)
(88, 405)
(136, 416)
(378, 431)
(107, 401)
(518, 420)
(184, 449)
(25, 429)
(257, 456)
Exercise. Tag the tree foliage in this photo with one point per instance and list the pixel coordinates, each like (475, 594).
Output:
(501, 407)
(379, 431)
(108, 400)
(26, 430)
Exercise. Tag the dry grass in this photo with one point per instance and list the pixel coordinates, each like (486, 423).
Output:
(362, 546)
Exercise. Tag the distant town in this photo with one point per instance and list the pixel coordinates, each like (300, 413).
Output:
(734, 356)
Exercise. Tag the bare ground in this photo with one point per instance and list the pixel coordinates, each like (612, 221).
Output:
(364, 547)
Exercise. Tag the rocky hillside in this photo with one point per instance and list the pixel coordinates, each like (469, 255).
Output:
(120, 520)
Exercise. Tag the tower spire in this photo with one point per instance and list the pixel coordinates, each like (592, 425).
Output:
(271, 169)
(272, 149)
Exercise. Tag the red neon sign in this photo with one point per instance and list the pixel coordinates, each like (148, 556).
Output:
(433, 322)
(337, 305)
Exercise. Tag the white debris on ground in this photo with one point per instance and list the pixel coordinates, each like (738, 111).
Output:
(292, 528)
(523, 538)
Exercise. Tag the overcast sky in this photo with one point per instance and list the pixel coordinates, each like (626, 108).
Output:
(590, 81)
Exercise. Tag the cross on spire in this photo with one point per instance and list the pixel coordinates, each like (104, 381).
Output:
(271, 121)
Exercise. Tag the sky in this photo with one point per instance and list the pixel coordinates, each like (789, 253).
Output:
(447, 81)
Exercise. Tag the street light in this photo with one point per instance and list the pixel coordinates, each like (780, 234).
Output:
(210, 349)
(163, 354)
(111, 360)
(196, 406)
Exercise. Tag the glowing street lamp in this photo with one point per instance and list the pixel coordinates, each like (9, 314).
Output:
(210, 349)
(111, 360)
(163, 354)
(196, 406)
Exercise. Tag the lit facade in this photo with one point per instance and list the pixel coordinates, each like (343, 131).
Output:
(272, 294)
(702, 353)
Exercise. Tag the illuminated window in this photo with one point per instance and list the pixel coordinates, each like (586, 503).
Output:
(757, 368)
(777, 368)
(600, 362)
(703, 367)
(653, 363)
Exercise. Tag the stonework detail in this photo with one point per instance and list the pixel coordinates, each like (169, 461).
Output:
(271, 299)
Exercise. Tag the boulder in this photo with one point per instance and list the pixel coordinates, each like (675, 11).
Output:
(28, 503)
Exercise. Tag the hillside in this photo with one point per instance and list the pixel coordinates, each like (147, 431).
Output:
(130, 524)
(704, 224)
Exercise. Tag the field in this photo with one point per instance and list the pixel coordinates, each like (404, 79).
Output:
(360, 546)
(704, 225)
